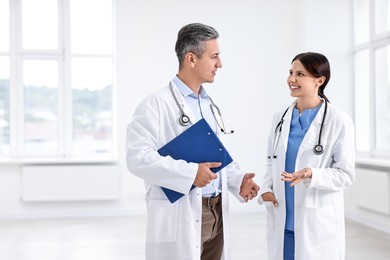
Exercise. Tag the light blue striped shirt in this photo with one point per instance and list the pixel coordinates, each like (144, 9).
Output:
(200, 106)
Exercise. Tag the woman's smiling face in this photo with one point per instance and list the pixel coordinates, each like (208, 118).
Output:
(302, 83)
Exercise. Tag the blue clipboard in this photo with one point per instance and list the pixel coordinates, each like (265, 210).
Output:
(197, 144)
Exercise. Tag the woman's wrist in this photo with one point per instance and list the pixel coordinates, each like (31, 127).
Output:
(307, 173)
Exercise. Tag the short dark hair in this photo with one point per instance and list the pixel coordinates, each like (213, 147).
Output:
(191, 38)
(317, 65)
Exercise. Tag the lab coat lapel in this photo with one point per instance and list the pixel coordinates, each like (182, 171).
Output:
(286, 127)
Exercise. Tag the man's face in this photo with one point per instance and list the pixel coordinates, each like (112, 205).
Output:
(206, 67)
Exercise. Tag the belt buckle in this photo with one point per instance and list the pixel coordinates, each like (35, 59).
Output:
(208, 202)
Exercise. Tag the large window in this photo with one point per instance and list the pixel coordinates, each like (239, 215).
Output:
(372, 77)
(56, 79)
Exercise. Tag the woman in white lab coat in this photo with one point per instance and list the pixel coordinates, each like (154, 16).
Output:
(311, 160)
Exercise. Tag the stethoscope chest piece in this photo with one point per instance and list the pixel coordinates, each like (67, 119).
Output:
(318, 149)
(184, 120)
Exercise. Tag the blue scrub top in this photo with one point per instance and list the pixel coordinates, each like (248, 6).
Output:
(298, 128)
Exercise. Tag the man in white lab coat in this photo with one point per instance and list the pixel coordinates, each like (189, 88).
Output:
(195, 226)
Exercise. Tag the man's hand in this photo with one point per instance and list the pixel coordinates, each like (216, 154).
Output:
(249, 188)
(205, 175)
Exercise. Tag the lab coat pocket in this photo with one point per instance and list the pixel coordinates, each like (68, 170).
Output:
(269, 207)
(162, 223)
(321, 225)
(270, 210)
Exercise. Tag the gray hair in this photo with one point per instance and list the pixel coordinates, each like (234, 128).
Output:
(191, 38)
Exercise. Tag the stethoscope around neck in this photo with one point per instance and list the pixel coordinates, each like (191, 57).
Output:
(318, 149)
(184, 120)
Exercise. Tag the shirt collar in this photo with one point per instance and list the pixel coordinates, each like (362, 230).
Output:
(186, 91)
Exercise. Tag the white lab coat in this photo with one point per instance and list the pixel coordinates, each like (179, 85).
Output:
(173, 230)
(319, 203)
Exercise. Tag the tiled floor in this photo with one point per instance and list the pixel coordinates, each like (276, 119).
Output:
(122, 238)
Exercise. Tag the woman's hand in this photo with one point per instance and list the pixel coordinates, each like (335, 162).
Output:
(269, 196)
(297, 177)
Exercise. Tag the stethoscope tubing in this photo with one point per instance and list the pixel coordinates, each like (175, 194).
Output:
(184, 119)
(318, 149)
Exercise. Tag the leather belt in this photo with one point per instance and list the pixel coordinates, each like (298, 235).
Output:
(211, 201)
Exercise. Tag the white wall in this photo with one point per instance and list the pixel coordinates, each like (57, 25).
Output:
(329, 31)
(255, 52)
(368, 200)
(258, 39)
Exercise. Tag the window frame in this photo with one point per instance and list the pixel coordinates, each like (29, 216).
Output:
(372, 157)
(63, 55)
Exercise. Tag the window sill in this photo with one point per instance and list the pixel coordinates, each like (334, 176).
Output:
(56, 160)
(372, 163)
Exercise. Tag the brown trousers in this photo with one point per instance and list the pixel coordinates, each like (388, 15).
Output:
(212, 232)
